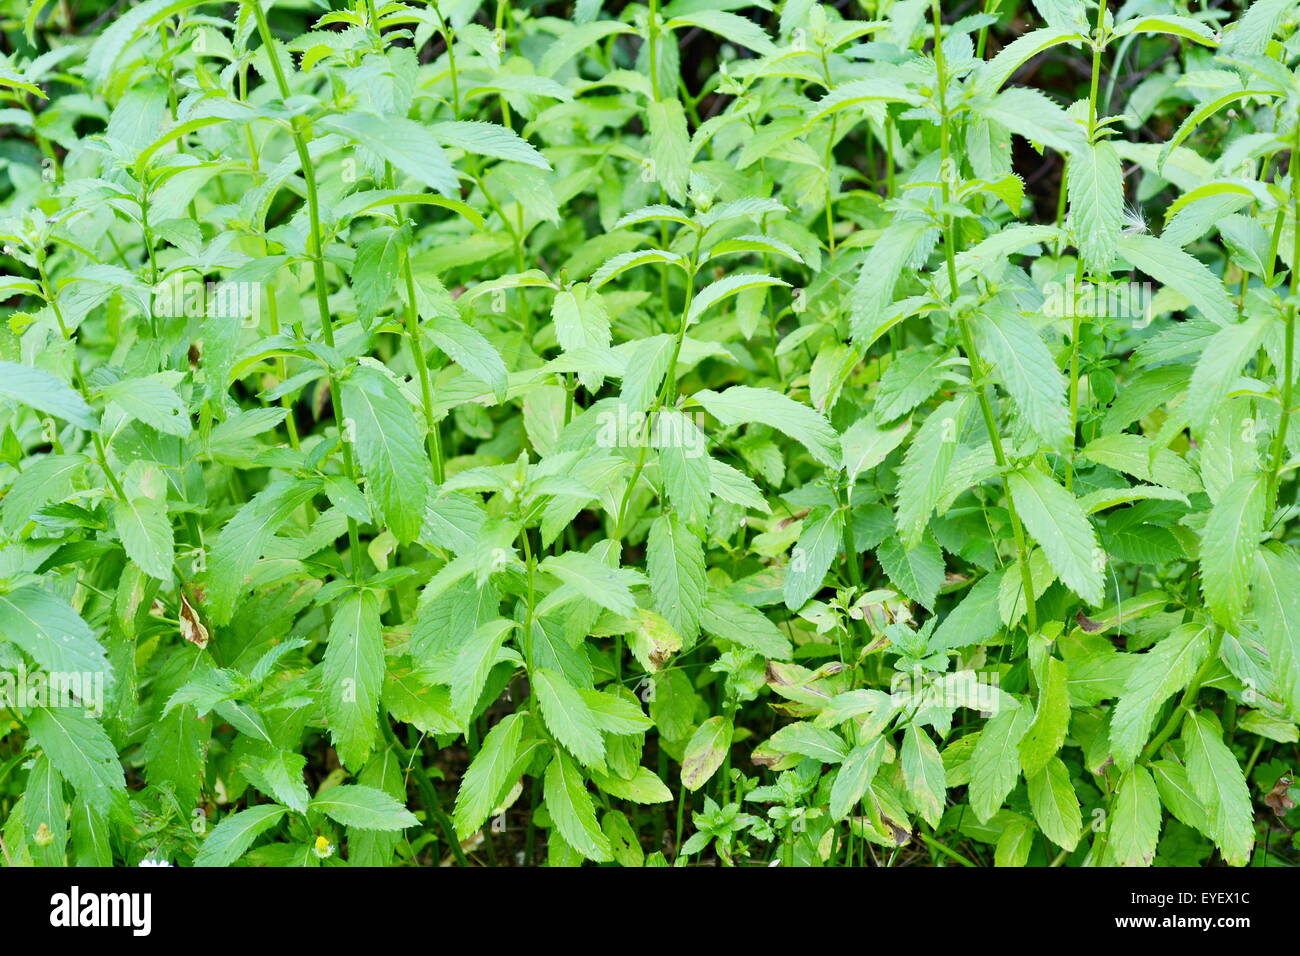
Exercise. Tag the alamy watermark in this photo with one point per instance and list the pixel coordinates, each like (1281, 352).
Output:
(977, 690)
(22, 689)
(222, 299)
(620, 428)
(1115, 300)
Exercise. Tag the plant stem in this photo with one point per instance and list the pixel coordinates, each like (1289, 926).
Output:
(316, 251)
(968, 338)
(1288, 362)
(1188, 699)
(1098, 44)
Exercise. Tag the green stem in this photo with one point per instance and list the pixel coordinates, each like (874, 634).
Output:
(968, 338)
(1288, 362)
(1098, 44)
(1188, 699)
(101, 450)
(316, 251)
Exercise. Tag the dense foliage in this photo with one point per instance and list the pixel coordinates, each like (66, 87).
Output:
(721, 431)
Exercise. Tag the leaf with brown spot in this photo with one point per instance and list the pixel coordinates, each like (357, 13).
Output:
(192, 628)
(1087, 624)
(1278, 799)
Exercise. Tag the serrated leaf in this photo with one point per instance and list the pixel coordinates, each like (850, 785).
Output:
(995, 762)
(1096, 189)
(1024, 366)
(1220, 785)
(569, 717)
(743, 404)
(571, 810)
(1229, 542)
(818, 545)
(705, 752)
(1055, 804)
(1134, 826)
(410, 146)
(352, 677)
(390, 446)
(231, 838)
(1155, 677)
(923, 772)
(1055, 519)
(675, 559)
(364, 808)
(40, 390)
(146, 534)
(1051, 720)
(670, 146)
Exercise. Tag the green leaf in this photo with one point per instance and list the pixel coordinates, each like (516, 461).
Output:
(232, 837)
(1134, 827)
(1055, 519)
(364, 808)
(1277, 607)
(152, 401)
(43, 480)
(1140, 457)
(1051, 719)
(1096, 189)
(705, 751)
(1156, 676)
(1220, 785)
(743, 404)
(1025, 367)
(374, 270)
(472, 663)
(1229, 543)
(855, 775)
(609, 587)
(568, 716)
(924, 473)
(1219, 366)
(283, 774)
(995, 761)
(390, 445)
(808, 740)
(749, 627)
(571, 810)
(684, 464)
(410, 146)
(865, 446)
(873, 289)
(81, 752)
(917, 572)
(819, 543)
(471, 350)
(1171, 266)
(670, 147)
(675, 559)
(489, 139)
(244, 539)
(352, 677)
(1014, 843)
(643, 787)
(53, 634)
(1055, 804)
(40, 390)
(146, 534)
(489, 773)
(923, 772)
(725, 288)
(1035, 117)
(909, 380)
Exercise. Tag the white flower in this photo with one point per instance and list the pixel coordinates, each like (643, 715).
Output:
(150, 861)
